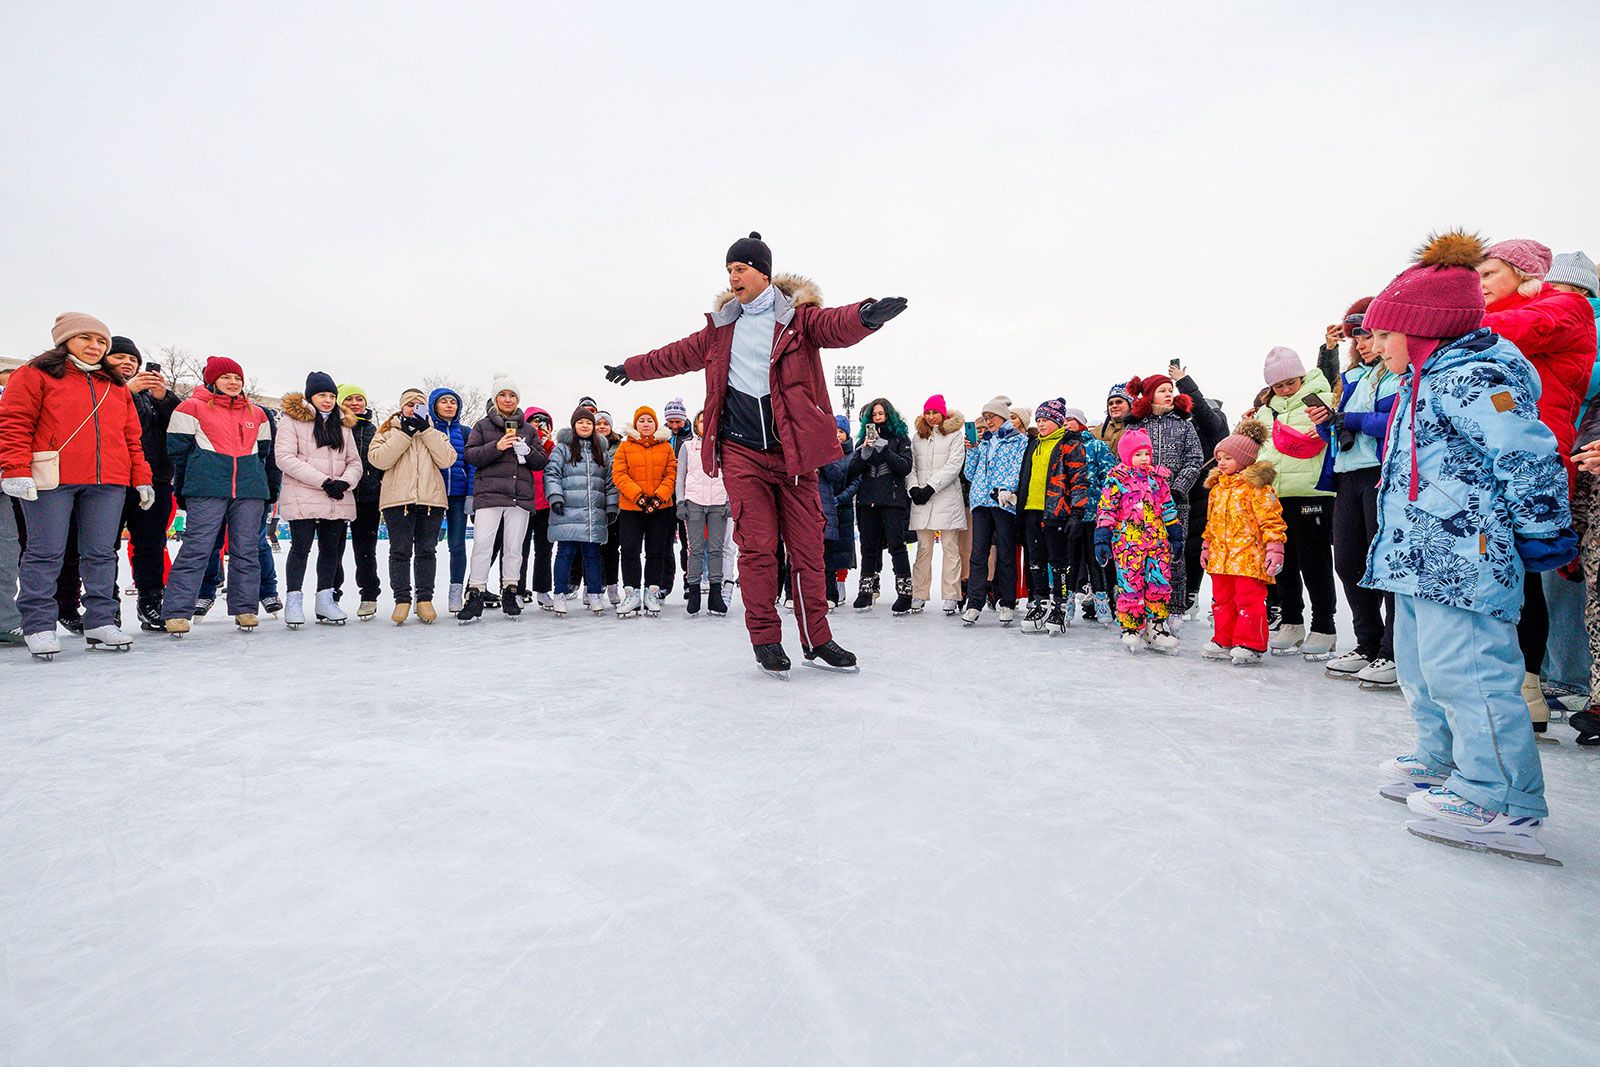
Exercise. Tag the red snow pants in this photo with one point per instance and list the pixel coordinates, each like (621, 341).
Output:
(1239, 612)
(769, 505)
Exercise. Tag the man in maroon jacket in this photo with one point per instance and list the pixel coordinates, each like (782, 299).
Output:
(770, 423)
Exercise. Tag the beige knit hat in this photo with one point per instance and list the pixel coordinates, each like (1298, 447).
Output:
(1000, 406)
(72, 323)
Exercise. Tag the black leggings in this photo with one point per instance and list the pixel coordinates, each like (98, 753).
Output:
(413, 530)
(364, 541)
(1308, 556)
(1355, 524)
(1533, 629)
(881, 528)
(653, 532)
(329, 535)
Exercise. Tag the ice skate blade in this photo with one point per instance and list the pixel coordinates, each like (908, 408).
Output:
(782, 676)
(1321, 657)
(818, 665)
(1446, 834)
(329, 622)
(101, 646)
(1399, 791)
(1380, 687)
(1546, 739)
(1343, 676)
(1295, 651)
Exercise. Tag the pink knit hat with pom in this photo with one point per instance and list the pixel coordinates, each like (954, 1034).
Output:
(936, 403)
(1130, 442)
(1437, 297)
(1530, 257)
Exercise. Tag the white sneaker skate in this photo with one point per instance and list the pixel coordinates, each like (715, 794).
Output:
(1406, 775)
(109, 638)
(43, 645)
(1318, 647)
(1006, 615)
(1349, 665)
(970, 616)
(597, 603)
(631, 602)
(294, 610)
(367, 610)
(613, 595)
(1033, 621)
(1456, 821)
(1380, 674)
(952, 607)
(1245, 657)
(652, 601)
(547, 602)
(1287, 639)
(558, 605)
(1132, 640)
(457, 593)
(1215, 651)
(328, 610)
(1162, 639)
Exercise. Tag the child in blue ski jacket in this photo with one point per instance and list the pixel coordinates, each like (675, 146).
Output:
(993, 467)
(1472, 497)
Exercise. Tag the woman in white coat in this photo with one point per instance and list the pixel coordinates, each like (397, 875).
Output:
(937, 451)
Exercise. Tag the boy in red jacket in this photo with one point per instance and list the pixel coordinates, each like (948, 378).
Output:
(770, 424)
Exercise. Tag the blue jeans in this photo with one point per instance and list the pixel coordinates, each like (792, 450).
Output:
(1566, 656)
(269, 566)
(98, 517)
(593, 573)
(1465, 692)
(456, 530)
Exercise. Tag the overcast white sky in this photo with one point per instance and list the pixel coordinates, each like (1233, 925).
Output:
(1067, 193)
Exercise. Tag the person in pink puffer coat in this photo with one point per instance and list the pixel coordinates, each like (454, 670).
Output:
(317, 453)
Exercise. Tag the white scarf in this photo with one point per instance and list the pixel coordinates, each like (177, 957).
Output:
(761, 304)
(87, 368)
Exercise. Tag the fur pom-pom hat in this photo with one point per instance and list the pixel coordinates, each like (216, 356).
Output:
(1143, 391)
(1437, 297)
(1243, 446)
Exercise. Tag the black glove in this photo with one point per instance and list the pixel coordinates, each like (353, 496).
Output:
(413, 424)
(920, 494)
(558, 507)
(643, 502)
(616, 375)
(877, 312)
(335, 488)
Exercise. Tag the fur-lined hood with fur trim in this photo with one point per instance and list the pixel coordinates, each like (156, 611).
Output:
(797, 289)
(1261, 474)
(953, 422)
(296, 407)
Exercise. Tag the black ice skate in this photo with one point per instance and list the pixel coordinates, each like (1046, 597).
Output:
(833, 658)
(773, 661)
(472, 607)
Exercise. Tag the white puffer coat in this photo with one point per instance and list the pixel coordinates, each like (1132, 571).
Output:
(936, 457)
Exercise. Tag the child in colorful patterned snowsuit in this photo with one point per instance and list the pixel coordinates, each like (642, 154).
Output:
(1242, 545)
(1138, 525)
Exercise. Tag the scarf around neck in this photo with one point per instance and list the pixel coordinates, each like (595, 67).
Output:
(761, 304)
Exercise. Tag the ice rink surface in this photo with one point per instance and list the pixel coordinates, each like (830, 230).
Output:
(609, 841)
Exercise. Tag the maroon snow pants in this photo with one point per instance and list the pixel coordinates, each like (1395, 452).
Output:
(769, 504)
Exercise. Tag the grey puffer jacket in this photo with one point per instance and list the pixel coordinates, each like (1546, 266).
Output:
(582, 487)
(503, 480)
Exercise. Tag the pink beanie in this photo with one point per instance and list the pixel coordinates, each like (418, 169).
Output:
(1530, 257)
(1282, 364)
(1437, 297)
(936, 403)
(72, 323)
(1130, 442)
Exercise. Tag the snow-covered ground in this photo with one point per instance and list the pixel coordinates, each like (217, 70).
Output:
(612, 841)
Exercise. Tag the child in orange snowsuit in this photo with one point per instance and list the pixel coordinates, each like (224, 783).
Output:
(1242, 547)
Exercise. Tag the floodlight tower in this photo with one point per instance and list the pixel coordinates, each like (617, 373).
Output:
(847, 376)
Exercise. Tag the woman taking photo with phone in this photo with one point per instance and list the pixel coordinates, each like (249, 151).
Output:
(1297, 451)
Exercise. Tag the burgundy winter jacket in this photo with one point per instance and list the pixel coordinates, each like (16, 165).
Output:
(802, 412)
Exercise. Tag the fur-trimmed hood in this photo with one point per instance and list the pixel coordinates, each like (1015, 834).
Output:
(1261, 474)
(662, 436)
(799, 290)
(953, 422)
(296, 408)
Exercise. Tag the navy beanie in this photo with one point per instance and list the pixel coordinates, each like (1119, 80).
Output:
(752, 250)
(320, 382)
(123, 346)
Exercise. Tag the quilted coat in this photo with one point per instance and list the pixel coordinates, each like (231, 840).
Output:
(1242, 517)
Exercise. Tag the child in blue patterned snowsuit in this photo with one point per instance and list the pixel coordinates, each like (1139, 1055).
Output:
(1138, 524)
(1472, 495)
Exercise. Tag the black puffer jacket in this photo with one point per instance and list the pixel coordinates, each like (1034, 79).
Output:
(154, 415)
(882, 472)
(502, 480)
(370, 487)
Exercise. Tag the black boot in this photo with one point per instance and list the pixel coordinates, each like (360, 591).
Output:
(714, 602)
(150, 620)
(691, 596)
(472, 607)
(1587, 723)
(72, 622)
(832, 656)
(865, 591)
(510, 602)
(490, 600)
(772, 659)
(902, 602)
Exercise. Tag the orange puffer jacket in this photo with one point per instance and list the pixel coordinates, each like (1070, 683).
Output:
(643, 466)
(1243, 516)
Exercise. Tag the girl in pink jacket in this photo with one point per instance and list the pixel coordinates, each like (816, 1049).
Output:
(317, 453)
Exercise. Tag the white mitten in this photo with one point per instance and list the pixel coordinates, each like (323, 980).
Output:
(21, 488)
(147, 496)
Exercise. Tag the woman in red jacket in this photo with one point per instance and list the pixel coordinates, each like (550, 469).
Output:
(69, 438)
(1556, 331)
